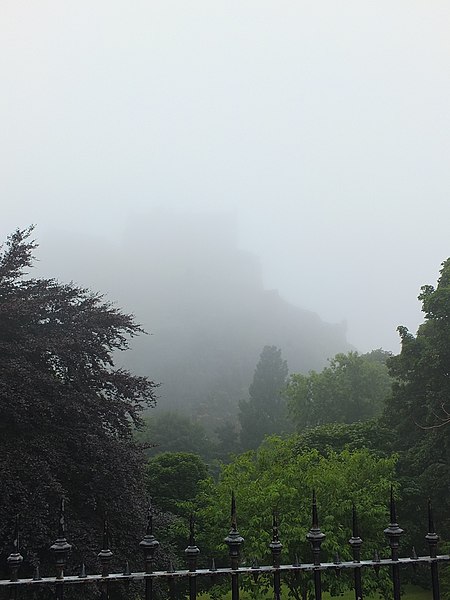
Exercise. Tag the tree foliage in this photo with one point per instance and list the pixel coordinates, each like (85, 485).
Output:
(335, 437)
(352, 388)
(278, 477)
(66, 412)
(228, 440)
(172, 480)
(422, 369)
(418, 410)
(264, 412)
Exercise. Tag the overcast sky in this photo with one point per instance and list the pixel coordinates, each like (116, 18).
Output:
(322, 126)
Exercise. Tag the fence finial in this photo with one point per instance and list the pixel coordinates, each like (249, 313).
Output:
(314, 535)
(82, 574)
(393, 509)
(315, 518)
(431, 537)
(36, 572)
(191, 530)
(233, 511)
(149, 528)
(15, 559)
(16, 540)
(192, 551)
(355, 531)
(127, 570)
(234, 540)
(61, 547)
(393, 531)
(275, 524)
(430, 517)
(62, 520)
(355, 541)
(275, 545)
(149, 543)
(105, 555)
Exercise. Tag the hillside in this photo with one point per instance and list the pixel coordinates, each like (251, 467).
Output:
(204, 303)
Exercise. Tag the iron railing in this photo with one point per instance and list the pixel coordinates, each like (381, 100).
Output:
(149, 545)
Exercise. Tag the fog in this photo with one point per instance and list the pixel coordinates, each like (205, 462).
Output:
(315, 134)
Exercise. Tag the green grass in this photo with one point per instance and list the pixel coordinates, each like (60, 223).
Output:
(411, 592)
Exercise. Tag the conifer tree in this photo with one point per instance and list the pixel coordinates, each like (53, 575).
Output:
(264, 412)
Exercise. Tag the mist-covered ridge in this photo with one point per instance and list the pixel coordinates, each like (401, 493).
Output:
(203, 301)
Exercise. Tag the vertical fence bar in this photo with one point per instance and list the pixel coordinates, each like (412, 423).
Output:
(276, 546)
(433, 539)
(316, 537)
(149, 545)
(234, 541)
(15, 559)
(192, 552)
(105, 556)
(356, 542)
(393, 533)
(61, 550)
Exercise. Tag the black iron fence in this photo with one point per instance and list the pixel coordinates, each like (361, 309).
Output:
(19, 587)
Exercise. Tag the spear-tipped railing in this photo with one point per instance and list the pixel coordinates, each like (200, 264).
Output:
(277, 570)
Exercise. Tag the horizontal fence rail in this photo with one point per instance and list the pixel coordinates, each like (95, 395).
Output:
(149, 545)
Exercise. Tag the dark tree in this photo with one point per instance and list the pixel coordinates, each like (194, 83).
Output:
(228, 440)
(172, 481)
(422, 369)
(265, 411)
(66, 413)
(419, 411)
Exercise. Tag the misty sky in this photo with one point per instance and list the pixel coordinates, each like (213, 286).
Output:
(321, 127)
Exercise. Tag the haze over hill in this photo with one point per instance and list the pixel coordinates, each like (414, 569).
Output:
(322, 126)
(203, 301)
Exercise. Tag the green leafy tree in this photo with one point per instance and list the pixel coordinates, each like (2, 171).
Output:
(352, 388)
(173, 484)
(265, 412)
(336, 437)
(278, 477)
(66, 413)
(418, 412)
(421, 370)
(172, 480)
